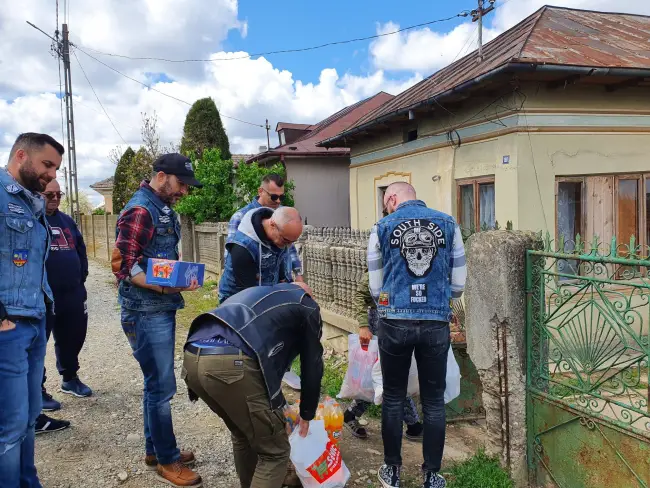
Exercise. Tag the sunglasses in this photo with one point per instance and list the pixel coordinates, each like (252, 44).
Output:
(273, 196)
(50, 195)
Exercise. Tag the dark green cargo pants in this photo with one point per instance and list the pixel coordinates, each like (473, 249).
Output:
(233, 387)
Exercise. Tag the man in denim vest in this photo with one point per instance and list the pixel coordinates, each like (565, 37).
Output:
(270, 194)
(24, 298)
(258, 254)
(416, 263)
(148, 228)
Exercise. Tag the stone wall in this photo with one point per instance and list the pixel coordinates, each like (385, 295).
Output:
(496, 340)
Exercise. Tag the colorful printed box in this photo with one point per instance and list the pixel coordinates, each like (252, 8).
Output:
(177, 274)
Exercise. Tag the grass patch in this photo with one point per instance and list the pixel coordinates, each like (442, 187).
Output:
(479, 470)
(333, 374)
(197, 302)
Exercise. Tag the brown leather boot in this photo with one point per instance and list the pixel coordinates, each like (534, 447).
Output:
(177, 474)
(187, 458)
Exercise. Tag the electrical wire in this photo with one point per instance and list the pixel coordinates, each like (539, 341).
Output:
(161, 92)
(281, 51)
(98, 100)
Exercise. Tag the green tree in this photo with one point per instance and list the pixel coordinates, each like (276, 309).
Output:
(85, 205)
(248, 178)
(203, 130)
(216, 200)
(120, 180)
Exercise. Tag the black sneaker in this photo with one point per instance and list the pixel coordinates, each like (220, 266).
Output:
(414, 432)
(49, 403)
(389, 476)
(353, 425)
(45, 424)
(433, 480)
(76, 387)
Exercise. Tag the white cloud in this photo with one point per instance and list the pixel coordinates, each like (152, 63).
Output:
(248, 89)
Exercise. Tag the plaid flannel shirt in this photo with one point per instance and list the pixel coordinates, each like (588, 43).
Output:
(135, 232)
(236, 219)
(457, 264)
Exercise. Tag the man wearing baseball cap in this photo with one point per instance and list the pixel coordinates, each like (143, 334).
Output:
(148, 228)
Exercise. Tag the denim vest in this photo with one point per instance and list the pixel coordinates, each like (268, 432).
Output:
(24, 245)
(164, 245)
(416, 246)
(268, 259)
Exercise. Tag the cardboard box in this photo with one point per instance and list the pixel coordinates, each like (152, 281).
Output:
(177, 274)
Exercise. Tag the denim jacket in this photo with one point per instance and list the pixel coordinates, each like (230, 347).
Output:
(164, 245)
(416, 246)
(269, 259)
(24, 245)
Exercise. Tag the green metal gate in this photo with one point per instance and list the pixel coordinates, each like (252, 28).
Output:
(588, 416)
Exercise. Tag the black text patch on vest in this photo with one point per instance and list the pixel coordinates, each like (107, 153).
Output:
(418, 241)
(419, 293)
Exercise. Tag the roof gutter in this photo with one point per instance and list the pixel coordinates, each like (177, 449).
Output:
(506, 68)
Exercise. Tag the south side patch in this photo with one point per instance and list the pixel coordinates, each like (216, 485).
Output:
(384, 299)
(20, 257)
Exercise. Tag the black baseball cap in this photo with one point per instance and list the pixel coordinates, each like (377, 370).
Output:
(177, 165)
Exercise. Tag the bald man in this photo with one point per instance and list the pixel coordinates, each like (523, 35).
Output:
(258, 253)
(416, 263)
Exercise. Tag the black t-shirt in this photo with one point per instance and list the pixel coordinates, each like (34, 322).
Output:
(243, 264)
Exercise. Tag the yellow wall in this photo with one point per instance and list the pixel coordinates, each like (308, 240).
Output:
(533, 156)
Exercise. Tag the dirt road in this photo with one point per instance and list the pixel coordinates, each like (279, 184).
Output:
(105, 445)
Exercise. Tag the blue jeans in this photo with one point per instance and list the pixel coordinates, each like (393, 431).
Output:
(430, 340)
(152, 338)
(22, 357)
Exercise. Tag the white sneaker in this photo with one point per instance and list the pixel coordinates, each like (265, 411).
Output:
(292, 379)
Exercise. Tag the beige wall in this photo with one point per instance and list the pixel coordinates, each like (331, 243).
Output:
(322, 191)
(525, 187)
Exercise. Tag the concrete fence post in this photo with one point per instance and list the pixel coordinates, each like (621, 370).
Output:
(92, 229)
(496, 339)
(108, 246)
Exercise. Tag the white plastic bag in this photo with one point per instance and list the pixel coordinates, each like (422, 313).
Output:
(453, 377)
(412, 389)
(452, 389)
(317, 461)
(357, 383)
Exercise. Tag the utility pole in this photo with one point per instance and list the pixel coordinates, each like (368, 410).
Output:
(67, 193)
(268, 137)
(62, 50)
(69, 112)
(477, 16)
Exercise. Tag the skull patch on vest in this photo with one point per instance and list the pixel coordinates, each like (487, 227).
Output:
(418, 241)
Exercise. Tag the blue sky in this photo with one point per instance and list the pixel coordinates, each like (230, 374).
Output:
(274, 26)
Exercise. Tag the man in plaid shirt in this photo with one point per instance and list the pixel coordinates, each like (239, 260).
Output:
(148, 228)
(270, 194)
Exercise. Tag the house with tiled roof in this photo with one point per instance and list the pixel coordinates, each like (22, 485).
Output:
(550, 130)
(321, 175)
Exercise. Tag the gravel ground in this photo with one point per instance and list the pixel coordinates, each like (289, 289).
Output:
(105, 443)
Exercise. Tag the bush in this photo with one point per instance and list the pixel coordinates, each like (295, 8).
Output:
(248, 178)
(216, 200)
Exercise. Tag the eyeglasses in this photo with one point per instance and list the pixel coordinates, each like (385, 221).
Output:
(51, 195)
(274, 197)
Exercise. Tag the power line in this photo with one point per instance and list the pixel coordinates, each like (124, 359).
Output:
(282, 51)
(98, 100)
(161, 92)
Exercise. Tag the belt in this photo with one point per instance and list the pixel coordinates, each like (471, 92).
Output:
(212, 351)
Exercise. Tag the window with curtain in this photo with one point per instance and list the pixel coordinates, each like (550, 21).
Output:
(605, 206)
(569, 220)
(476, 208)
